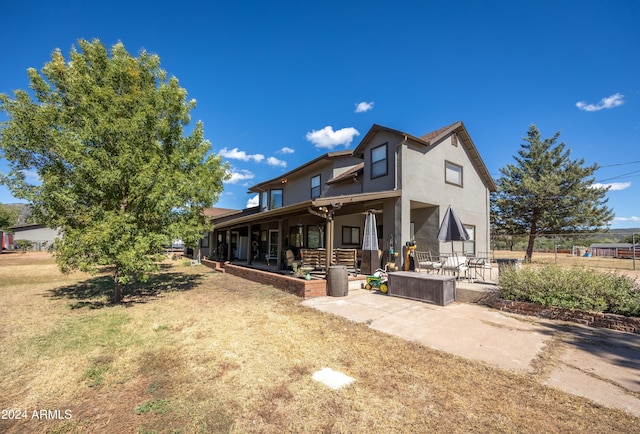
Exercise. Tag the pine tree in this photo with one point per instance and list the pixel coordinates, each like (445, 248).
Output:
(546, 192)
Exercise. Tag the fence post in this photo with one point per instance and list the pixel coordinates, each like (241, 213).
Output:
(633, 247)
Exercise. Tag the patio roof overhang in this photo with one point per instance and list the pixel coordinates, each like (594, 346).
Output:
(302, 208)
(356, 198)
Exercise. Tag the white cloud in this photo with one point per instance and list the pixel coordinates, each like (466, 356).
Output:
(273, 161)
(605, 103)
(235, 154)
(613, 186)
(239, 175)
(253, 201)
(286, 150)
(32, 176)
(627, 219)
(362, 107)
(329, 139)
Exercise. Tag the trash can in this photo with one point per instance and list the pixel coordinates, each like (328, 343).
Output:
(508, 262)
(337, 281)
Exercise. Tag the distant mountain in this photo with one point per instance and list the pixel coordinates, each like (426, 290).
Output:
(625, 230)
(25, 212)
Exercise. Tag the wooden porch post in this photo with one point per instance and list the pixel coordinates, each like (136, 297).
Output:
(327, 212)
(279, 252)
(249, 252)
(329, 234)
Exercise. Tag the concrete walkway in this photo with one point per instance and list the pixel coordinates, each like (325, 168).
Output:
(599, 364)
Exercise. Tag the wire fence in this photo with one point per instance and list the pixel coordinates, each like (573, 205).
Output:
(619, 250)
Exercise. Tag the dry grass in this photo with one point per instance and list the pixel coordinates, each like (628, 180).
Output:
(563, 259)
(196, 351)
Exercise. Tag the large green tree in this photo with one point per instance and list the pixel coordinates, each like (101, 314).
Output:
(546, 192)
(8, 216)
(105, 133)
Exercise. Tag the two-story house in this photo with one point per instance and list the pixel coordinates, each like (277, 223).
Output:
(410, 181)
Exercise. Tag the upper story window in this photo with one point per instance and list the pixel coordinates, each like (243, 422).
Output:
(315, 186)
(452, 173)
(379, 161)
(275, 198)
(264, 201)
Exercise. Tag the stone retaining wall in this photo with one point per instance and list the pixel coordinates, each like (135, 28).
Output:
(592, 319)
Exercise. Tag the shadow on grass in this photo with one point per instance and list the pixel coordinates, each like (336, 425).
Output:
(96, 292)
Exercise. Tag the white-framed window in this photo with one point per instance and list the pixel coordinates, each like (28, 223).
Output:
(452, 173)
(470, 244)
(315, 186)
(379, 161)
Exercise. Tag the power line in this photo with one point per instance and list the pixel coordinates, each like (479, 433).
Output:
(619, 164)
(624, 175)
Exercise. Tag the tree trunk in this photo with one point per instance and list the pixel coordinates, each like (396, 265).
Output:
(116, 297)
(532, 240)
(533, 232)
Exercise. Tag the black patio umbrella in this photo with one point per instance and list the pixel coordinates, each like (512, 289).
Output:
(452, 229)
(370, 260)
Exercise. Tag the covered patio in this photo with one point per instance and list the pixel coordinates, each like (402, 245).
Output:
(282, 236)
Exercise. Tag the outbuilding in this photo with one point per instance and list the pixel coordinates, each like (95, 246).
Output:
(41, 236)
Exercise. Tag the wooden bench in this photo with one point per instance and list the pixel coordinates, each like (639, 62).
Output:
(346, 257)
(317, 258)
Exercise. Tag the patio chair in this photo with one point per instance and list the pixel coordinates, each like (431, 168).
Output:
(478, 265)
(456, 264)
(270, 256)
(428, 262)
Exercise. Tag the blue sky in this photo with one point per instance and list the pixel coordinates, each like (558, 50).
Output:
(279, 83)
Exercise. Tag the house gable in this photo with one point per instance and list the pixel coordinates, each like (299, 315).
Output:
(455, 131)
(457, 135)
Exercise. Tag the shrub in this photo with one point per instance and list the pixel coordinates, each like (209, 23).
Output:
(572, 288)
(24, 245)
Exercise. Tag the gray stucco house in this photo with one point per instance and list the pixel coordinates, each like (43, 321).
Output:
(409, 180)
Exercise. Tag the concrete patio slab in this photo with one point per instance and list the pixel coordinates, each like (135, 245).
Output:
(599, 364)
